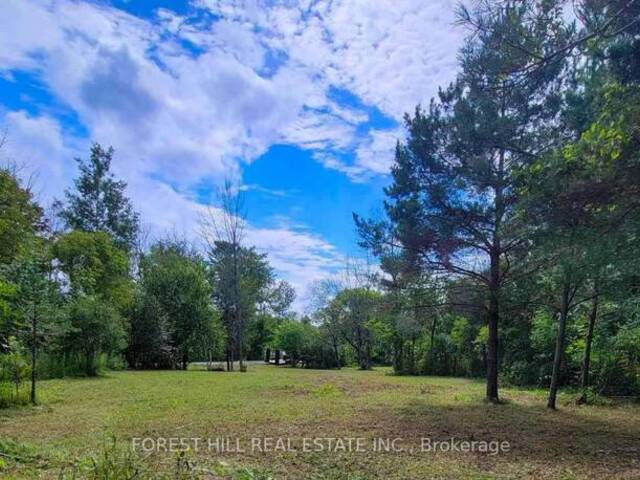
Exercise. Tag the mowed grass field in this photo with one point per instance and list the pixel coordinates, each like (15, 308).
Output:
(78, 417)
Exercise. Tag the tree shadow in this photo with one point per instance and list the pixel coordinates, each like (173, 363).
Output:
(587, 439)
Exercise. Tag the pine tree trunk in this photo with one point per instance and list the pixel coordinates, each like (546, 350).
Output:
(89, 364)
(34, 353)
(397, 356)
(238, 303)
(432, 353)
(243, 368)
(492, 342)
(231, 355)
(413, 355)
(557, 357)
(586, 359)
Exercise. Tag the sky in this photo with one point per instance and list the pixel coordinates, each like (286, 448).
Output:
(299, 103)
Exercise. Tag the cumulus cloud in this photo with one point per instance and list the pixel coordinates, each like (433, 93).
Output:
(188, 98)
(391, 54)
(114, 88)
(195, 91)
(36, 146)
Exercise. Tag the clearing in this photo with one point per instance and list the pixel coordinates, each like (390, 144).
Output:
(79, 416)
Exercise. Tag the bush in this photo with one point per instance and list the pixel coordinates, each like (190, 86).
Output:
(96, 329)
(305, 344)
(15, 371)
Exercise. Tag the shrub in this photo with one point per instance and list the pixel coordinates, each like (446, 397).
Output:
(14, 373)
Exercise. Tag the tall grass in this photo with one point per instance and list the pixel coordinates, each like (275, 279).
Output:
(116, 460)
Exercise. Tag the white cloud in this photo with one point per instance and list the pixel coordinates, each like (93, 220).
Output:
(192, 114)
(392, 54)
(259, 188)
(375, 154)
(36, 142)
(188, 99)
(296, 254)
(35, 145)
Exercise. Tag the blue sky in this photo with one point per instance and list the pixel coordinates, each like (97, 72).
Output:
(300, 103)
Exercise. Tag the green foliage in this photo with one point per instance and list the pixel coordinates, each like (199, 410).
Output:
(304, 344)
(14, 372)
(100, 295)
(295, 338)
(617, 362)
(280, 297)
(98, 202)
(7, 294)
(513, 205)
(150, 339)
(94, 266)
(94, 327)
(20, 216)
(174, 320)
(242, 280)
(357, 310)
(454, 193)
(20, 223)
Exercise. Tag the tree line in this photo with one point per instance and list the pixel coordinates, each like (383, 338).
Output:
(510, 236)
(89, 295)
(507, 248)
(509, 241)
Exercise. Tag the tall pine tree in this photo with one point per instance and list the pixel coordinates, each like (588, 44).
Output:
(451, 206)
(98, 201)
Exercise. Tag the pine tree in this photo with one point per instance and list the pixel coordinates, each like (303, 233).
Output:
(98, 201)
(451, 206)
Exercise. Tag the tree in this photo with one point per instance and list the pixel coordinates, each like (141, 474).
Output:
(95, 265)
(95, 327)
(100, 292)
(177, 304)
(357, 308)
(20, 216)
(7, 293)
(329, 318)
(279, 298)
(304, 343)
(582, 196)
(13, 367)
(149, 337)
(274, 308)
(98, 202)
(37, 304)
(292, 336)
(20, 223)
(25, 291)
(240, 279)
(411, 301)
(451, 207)
(327, 314)
(223, 231)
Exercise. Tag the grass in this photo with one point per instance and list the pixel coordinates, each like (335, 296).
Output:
(78, 417)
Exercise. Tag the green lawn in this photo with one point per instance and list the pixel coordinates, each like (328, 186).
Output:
(77, 417)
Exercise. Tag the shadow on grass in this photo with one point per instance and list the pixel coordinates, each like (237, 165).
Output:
(584, 438)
